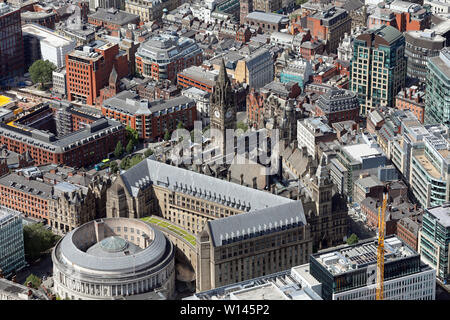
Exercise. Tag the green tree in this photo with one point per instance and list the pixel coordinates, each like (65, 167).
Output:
(113, 167)
(242, 126)
(119, 149)
(135, 160)
(37, 239)
(167, 135)
(124, 163)
(353, 239)
(41, 72)
(148, 153)
(132, 135)
(35, 281)
(180, 125)
(128, 162)
(130, 146)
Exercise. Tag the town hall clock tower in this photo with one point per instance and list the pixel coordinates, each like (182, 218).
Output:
(222, 107)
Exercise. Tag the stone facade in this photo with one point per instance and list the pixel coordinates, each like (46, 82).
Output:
(222, 107)
(326, 212)
(267, 252)
(70, 210)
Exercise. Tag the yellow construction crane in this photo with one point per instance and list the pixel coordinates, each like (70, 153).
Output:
(380, 251)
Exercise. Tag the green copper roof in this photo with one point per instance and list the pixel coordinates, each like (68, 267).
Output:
(113, 244)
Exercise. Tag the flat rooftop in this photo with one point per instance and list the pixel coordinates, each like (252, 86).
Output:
(46, 35)
(361, 150)
(349, 258)
(442, 62)
(7, 214)
(264, 292)
(283, 285)
(442, 213)
(198, 73)
(268, 17)
(428, 166)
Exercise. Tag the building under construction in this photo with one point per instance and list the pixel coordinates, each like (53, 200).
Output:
(350, 272)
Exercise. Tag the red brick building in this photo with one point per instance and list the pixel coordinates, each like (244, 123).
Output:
(255, 108)
(309, 49)
(151, 119)
(61, 142)
(402, 219)
(411, 99)
(330, 25)
(88, 70)
(408, 230)
(197, 77)
(402, 15)
(16, 192)
(112, 19)
(3, 167)
(43, 18)
(243, 34)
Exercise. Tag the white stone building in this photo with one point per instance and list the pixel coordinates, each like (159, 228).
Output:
(53, 47)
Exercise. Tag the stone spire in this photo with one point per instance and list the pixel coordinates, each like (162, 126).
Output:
(222, 91)
(322, 173)
(223, 76)
(113, 76)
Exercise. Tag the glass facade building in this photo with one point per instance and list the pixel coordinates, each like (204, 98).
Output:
(12, 254)
(421, 45)
(437, 96)
(11, 44)
(349, 273)
(434, 240)
(378, 68)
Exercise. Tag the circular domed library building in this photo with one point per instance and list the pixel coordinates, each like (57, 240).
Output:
(113, 258)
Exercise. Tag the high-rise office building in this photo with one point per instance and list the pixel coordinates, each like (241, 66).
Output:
(434, 240)
(11, 43)
(89, 67)
(419, 46)
(12, 254)
(437, 96)
(378, 67)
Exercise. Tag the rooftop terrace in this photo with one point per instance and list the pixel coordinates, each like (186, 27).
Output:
(427, 165)
(167, 225)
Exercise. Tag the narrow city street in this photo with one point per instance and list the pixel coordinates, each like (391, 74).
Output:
(41, 268)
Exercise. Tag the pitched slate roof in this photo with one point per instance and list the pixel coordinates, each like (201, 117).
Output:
(189, 182)
(253, 224)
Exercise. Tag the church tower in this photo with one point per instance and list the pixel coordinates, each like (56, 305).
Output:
(222, 107)
(246, 7)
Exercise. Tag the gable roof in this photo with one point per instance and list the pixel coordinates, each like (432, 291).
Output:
(252, 224)
(227, 193)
